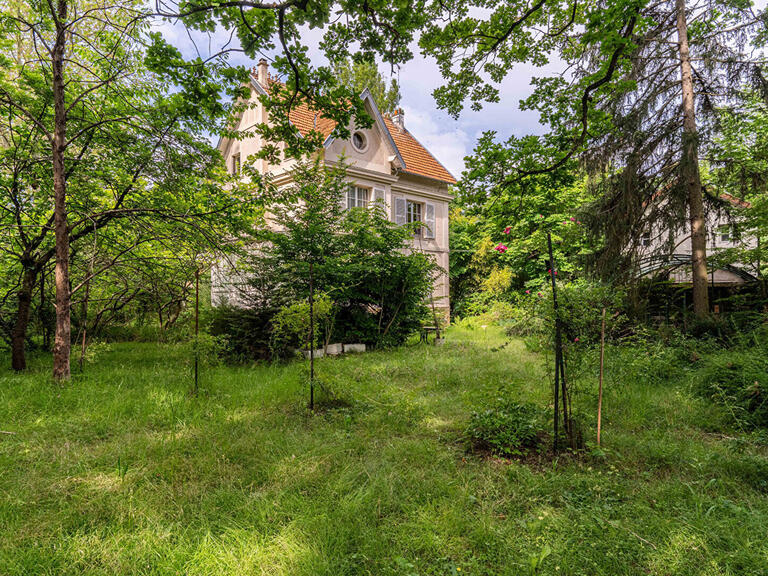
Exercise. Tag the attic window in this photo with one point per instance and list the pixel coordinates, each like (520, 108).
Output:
(359, 141)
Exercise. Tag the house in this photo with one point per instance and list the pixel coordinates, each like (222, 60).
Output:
(385, 162)
(664, 251)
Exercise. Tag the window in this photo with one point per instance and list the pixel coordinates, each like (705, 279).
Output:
(645, 240)
(236, 163)
(725, 233)
(357, 197)
(359, 141)
(413, 215)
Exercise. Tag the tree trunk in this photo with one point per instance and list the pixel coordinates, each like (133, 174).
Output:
(689, 171)
(19, 332)
(62, 344)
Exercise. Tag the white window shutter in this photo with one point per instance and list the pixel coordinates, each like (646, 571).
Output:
(429, 220)
(378, 194)
(399, 210)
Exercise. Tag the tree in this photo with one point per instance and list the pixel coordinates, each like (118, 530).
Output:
(365, 75)
(359, 30)
(93, 141)
(356, 258)
(637, 74)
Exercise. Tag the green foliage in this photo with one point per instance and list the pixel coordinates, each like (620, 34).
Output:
(509, 430)
(290, 326)
(244, 333)
(146, 192)
(501, 225)
(580, 306)
(361, 32)
(364, 75)
(737, 380)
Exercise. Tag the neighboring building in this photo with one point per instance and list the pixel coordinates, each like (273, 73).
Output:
(385, 162)
(668, 252)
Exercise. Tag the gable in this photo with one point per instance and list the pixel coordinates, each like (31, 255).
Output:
(389, 146)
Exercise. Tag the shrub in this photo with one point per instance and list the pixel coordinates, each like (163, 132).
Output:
(739, 382)
(509, 430)
(243, 333)
(290, 326)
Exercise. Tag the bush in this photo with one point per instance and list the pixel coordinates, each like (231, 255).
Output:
(510, 430)
(291, 326)
(243, 334)
(739, 382)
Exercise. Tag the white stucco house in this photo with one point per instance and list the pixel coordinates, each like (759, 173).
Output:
(666, 251)
(385, 162)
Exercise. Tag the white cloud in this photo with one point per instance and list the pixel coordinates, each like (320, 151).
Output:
(441, 135)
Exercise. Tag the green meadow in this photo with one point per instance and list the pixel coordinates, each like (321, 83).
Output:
(122, 471)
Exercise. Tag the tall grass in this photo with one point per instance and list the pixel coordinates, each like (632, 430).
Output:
(121, 471)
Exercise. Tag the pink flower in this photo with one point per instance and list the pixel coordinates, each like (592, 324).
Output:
(573, 219)
(576, 339)
(527, 291)
(539, 294)
(501, 248)
(578, 222)
(507, 230)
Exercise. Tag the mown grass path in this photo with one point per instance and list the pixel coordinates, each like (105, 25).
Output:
(122, 472)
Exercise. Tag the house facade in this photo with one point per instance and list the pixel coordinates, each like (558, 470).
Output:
(384, 162)
(668, 251)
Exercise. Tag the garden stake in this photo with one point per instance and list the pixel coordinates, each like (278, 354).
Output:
(600, 385)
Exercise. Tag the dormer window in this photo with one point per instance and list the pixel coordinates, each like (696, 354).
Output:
(359, 141)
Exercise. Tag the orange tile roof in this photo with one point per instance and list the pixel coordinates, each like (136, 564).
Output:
(735, 201)
(417, 158)
(307, 120)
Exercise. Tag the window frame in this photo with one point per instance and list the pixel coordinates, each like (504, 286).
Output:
(355, 198)
(409, 213)
(236, 164)
(725, 233)
(363, 136)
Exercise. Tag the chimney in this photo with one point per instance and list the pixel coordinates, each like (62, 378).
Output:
(398, 119)
(262, 74)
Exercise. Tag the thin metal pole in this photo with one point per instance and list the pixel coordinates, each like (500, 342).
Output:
(197, 324)
(600, 385)
(311, 338)
(559, 371)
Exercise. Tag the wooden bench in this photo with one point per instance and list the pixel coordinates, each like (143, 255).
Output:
(425, 330)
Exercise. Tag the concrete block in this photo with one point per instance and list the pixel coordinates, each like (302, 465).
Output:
(354, 348)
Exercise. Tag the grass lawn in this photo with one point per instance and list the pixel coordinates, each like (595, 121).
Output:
(122, 472)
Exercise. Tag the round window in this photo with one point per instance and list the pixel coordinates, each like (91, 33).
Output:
(359, 141)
